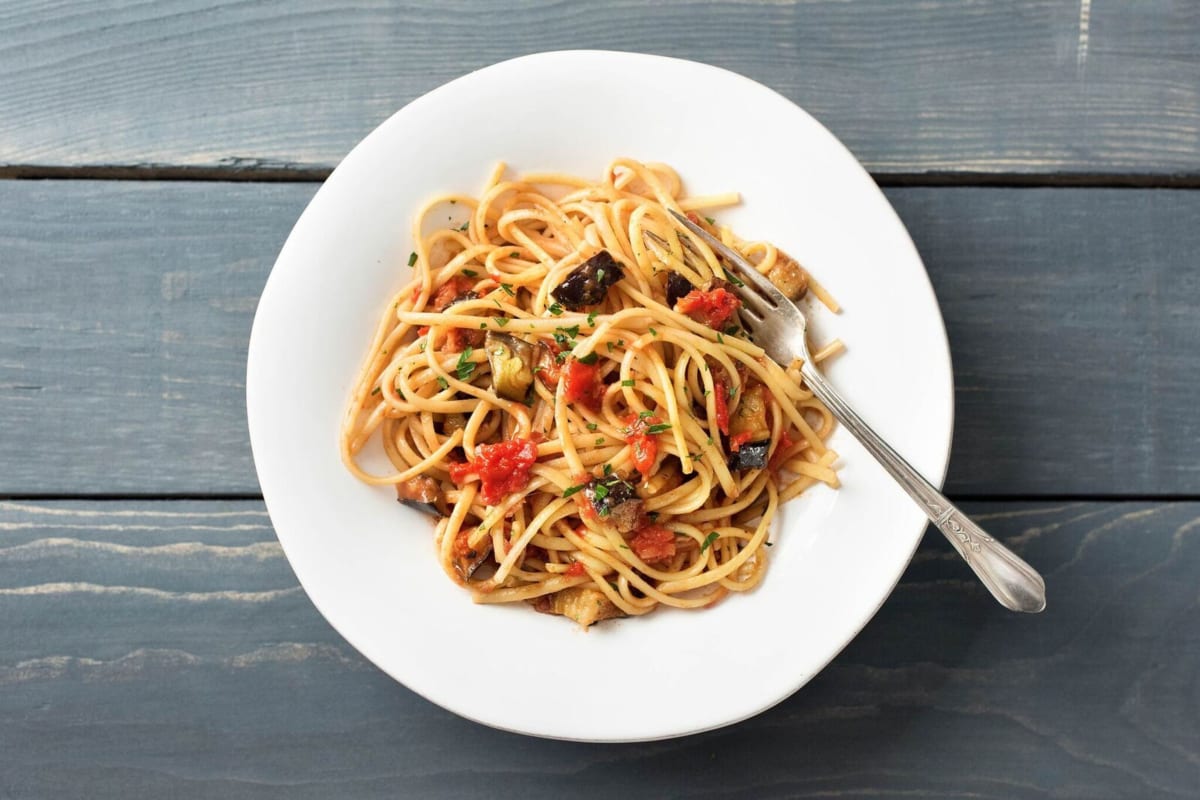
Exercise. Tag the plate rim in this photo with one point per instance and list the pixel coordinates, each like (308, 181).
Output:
(926, 287)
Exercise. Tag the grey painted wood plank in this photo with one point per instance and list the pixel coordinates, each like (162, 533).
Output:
(1032, 87)
(127, 307)
(204, 680)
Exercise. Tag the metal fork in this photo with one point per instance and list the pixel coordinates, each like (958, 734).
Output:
(780, 328)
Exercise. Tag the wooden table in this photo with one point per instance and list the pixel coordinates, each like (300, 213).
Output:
(1045, 156)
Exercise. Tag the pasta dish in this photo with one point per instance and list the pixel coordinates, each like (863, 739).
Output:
(565, 385)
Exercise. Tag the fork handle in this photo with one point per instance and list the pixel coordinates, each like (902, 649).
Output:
(1011, 581)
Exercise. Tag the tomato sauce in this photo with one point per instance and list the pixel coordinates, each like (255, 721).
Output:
(502, 468)
(654, 543)
(785, 442)
(576, 570)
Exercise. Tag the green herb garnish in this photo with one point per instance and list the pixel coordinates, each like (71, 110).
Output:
(590, 358)
(412, 258)
(661, 427)
(708, 540)
(627, 382)
(442, 382)
(508, 290)
(570, 490)
(465, 366)
(501, 321)
(555, 309)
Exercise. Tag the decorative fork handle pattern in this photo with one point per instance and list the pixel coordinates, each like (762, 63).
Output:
(1011, 581)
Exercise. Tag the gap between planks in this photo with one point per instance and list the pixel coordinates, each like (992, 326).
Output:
(267, 172)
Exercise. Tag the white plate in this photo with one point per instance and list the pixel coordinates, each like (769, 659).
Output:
(369, 564)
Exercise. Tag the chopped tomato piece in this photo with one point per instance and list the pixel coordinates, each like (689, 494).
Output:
(502, 468)
(582, 383)
(738, 439)
(654, 543)
(576, 570)
(715, 308)
(721, 387)
(450, 290)
(643, 445)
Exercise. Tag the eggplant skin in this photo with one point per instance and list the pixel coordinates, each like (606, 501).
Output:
(616, 501)
(751, 455)
(511, 360)
(587, 284)
(584, 605)
(677, 287)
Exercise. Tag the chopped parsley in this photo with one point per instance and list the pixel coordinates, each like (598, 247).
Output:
(609, 345)
(608, 469)
(501, 321)
(600, 276)
(555, 309)
(600, 490)
(470, 273)
(376, 390)
(465, 366)
(627, 382)
(653, 332)
(720, 338)
(710, 220)
(565, 337)
(708, 540)
(601, 441)
(593, 427)
(412, 258)
(734, 279)
(442, 382)
(465, 225)
(482, 326)
(661, 427)
(623, 546)
(732, 391)
(644, 414)
(733, 330)
(590, 358)
(508, 290)
(570, 490)
(592, 318)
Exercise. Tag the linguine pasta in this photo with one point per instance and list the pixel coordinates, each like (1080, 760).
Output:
(565, 384)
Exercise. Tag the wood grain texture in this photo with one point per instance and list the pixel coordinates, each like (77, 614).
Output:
(164, 649)
(1039, 86)
(127, 307)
